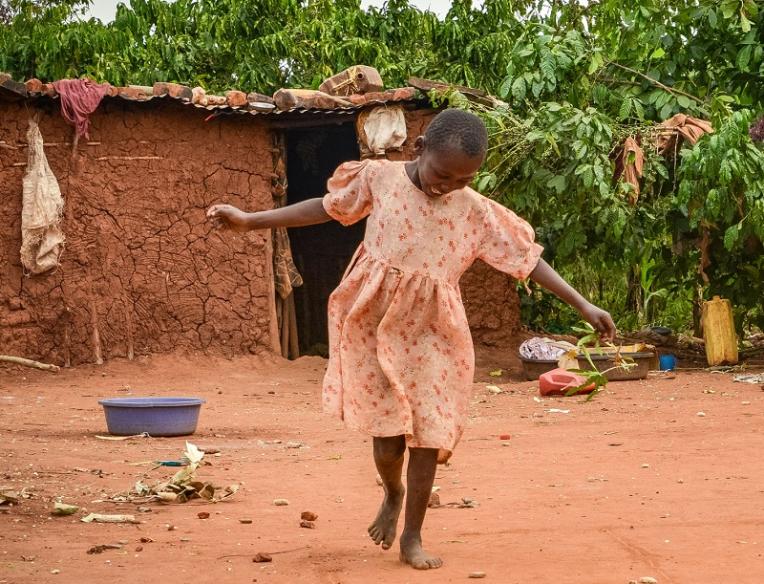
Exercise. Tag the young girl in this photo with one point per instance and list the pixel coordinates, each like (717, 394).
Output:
(401, 357)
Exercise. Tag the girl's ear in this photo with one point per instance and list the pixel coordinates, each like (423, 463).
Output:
(419, 145)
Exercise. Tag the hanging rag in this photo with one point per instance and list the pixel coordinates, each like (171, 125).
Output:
(630, 163)
(687, 127)
(285, 271)
(79, 99)
(42, 206)
(287, 277)
(380, 130)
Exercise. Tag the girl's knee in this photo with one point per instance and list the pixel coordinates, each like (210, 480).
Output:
(389, 449)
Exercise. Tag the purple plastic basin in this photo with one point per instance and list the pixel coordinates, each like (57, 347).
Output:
(158, 416)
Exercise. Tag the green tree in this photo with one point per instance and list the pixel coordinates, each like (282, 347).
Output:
(577, 77)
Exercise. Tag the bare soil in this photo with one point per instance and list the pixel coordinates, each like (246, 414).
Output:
(635, 483)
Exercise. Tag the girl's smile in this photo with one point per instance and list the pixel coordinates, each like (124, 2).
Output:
(438, 173)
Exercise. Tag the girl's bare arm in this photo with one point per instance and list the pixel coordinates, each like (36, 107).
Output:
(544, 275)
(309, 212)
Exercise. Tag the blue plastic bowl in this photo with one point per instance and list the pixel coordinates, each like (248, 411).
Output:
(158, 416)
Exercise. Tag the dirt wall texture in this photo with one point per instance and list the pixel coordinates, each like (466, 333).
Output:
(141, 269)
(490, 297)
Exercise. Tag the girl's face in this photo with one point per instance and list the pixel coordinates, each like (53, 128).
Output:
(443, 172)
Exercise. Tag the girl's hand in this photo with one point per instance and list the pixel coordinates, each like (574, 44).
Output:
(228, 217)
(601, 321)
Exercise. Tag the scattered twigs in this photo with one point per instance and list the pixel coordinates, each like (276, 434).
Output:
(129, 324)
(96, 336)
(130, 158)
(29, 363)
(289, 551)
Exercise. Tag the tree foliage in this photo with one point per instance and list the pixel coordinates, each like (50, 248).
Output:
(578, 78)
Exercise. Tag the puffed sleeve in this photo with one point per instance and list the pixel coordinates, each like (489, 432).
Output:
(508, 242)
(348, 198)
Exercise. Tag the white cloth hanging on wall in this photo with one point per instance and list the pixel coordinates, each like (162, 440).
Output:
(381, 129)
(42, 207)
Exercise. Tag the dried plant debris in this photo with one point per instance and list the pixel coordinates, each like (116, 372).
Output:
(123, 438)
(62, 509)
(100, 518)
(99, 549)
(14, 497)
(182, 487)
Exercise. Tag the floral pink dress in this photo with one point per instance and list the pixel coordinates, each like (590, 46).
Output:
(401, 357)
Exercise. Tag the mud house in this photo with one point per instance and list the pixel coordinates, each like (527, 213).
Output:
(142, 271)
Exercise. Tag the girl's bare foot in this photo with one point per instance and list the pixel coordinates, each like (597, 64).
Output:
(384, 527)
(413, 554)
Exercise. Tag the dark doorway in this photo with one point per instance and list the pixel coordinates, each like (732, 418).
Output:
(321, 252)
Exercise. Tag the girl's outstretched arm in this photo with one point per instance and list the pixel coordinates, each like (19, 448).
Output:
(309, 212)
(544, 275)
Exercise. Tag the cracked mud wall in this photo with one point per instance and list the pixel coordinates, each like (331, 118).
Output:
(140, 263)
(490, 297)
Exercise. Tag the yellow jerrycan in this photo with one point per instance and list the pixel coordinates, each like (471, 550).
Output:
(719, 332)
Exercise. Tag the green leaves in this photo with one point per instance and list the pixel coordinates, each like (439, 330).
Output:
(518, 89)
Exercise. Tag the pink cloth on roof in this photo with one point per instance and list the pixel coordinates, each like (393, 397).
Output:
(401, 356)
(79, 99)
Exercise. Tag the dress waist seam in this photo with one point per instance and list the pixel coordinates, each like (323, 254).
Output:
(366, 255)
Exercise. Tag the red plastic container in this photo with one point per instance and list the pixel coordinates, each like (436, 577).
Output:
(559, 381)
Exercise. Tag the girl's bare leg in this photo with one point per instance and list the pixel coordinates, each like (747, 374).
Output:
(419, 479)
(388, 456)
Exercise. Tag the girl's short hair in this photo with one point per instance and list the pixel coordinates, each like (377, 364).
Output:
(455, 128)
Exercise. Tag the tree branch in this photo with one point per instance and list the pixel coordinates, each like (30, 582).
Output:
(655, 82)
(28, 363)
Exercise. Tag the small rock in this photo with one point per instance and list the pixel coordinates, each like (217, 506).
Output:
(143, 509)
(746, 403)
(307, 524)
(139, 548)
(701, 414)
(34, 86)
(280, 502)
(245, 521)
(198, 95)
(203, 515)
(122, 542)
(236, 98)
(647, 580)
(476, 575)
(645, 465)
(147, 540)
(434, 500)
(494, 389)
(294, 444)
(504, 436)
(170, 528)
(379, 480)
(55, 571)
(309, 516)
(262, 557)
(215, 100)
(185, 539)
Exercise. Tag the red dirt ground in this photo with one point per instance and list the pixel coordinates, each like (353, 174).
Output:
(632, 484)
